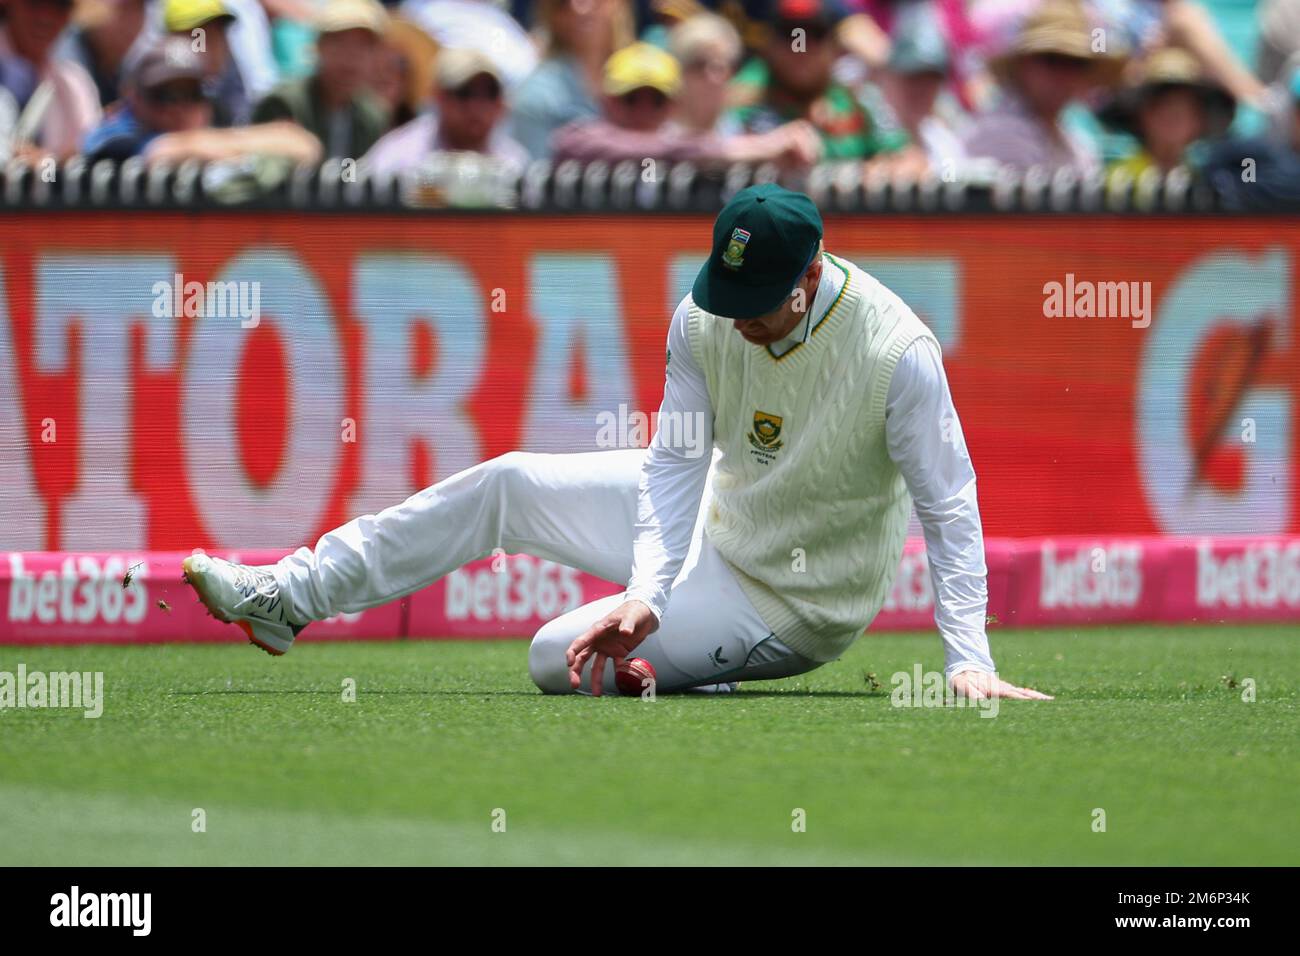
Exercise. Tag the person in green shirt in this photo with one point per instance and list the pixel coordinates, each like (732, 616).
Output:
(792, 79)
(335, 103)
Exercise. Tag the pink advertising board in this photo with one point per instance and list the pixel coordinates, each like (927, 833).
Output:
(72, 598)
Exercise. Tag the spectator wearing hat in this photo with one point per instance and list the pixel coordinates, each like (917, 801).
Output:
(47, 104)
(335, 104)
(1169, 107)
(1049, 64)
(640, 86)
(99, 38)
(470, 107)
(165, 116)
(792, 80)
(162, 87)
(576, 37)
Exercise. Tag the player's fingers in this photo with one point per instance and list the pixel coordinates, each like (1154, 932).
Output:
(588, 637)
(579, 662)
(575, 668)
(1013, 693)
(978, 685)
(1026, 693)
(965, 687)
(634, 625)
(579, 650)
(597, 673)
(571, 654)
(1035, 695)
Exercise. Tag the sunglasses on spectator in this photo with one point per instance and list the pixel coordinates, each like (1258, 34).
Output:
(1062, 61)
(486, 89)
(174, 95)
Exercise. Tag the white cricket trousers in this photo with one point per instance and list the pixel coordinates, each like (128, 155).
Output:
(578, 510)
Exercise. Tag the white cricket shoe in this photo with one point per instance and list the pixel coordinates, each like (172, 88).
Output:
(726, 687)
(245, 596)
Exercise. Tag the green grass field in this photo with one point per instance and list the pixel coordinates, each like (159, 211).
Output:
(442, 734)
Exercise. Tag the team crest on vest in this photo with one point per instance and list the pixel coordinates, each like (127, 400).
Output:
(733, 257)
(765, 436)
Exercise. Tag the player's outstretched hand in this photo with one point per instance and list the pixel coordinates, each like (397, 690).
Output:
(977, 685)
(614, 637)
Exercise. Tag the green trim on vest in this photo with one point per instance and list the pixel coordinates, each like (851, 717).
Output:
(825, 315)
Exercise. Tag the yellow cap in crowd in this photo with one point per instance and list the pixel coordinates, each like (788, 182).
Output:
(181, 15)
(640, 65)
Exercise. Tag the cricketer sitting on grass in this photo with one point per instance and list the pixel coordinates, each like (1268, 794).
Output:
(824, 400)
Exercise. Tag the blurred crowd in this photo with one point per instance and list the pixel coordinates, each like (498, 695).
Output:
(949, 88)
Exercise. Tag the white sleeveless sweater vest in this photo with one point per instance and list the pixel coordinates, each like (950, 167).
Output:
(807, 507)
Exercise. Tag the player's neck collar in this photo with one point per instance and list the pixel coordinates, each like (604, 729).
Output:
(828, 290)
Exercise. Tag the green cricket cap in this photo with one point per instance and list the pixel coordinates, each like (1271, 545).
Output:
(763, 240)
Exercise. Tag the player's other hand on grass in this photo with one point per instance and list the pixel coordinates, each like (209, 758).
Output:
(613, 637)
(978, 685)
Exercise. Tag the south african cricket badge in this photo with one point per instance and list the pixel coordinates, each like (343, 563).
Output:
(765, 437)
(733, 257)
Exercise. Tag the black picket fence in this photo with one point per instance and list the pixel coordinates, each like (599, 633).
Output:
(646, 187)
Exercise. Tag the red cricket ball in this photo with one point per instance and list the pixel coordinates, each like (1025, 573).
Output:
(628, 677)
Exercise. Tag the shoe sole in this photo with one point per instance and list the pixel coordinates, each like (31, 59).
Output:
(193, 581)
